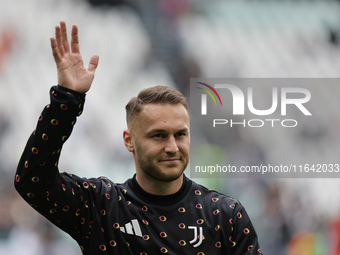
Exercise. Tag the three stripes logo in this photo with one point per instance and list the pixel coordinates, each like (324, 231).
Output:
(132, 228)
(204, 97)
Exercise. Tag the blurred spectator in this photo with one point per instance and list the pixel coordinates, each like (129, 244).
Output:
(107, 2)
(334, 236)
(6, 41)
(162, 22)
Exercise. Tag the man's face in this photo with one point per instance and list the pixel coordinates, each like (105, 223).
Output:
(161, 141)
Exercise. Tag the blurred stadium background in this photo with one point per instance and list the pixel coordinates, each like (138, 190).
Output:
(145, 43)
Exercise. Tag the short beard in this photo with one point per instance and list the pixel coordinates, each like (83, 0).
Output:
(147, 167)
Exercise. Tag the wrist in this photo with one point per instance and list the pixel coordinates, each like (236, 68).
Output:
(71, 90)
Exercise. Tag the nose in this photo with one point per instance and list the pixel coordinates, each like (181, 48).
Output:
(171, 145)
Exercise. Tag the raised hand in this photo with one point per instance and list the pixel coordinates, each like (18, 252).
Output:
(70, 66)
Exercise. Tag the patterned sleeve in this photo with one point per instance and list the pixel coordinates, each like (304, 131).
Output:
(244, 238)
(61, 198)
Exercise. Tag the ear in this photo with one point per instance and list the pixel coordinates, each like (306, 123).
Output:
(128, 140)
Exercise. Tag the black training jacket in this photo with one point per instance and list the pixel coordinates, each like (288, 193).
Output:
(109, 218)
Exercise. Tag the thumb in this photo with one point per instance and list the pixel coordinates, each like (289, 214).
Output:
(93, 63)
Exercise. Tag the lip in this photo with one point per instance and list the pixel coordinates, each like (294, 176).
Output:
(170, 160)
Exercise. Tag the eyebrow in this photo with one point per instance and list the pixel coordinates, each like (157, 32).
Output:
(164, 131)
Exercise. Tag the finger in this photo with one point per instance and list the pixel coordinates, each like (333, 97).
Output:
(55, 51)
(93, 63)
(59, 41)
(64, 36)
(74, 39)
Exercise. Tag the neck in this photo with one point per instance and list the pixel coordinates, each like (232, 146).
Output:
(157, 187)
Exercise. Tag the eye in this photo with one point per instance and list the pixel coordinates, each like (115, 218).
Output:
(181, 134)
(158, 135)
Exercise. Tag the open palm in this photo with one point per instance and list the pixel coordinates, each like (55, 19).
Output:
(70, 66)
